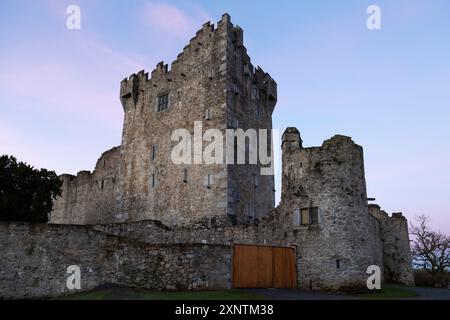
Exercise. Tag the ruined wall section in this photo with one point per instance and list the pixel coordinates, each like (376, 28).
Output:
(89, 198)
(396, 246)
(251, 99)
(197, 87)
(35, 258)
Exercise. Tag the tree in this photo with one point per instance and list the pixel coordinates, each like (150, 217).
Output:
(26, 194)
(430, 250)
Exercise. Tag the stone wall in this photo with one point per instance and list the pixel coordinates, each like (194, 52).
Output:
(251, 100)
(35, 258)
(89, 198)
(396, 246)
(332, 254)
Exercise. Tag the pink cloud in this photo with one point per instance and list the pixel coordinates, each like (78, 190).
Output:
(167, 19)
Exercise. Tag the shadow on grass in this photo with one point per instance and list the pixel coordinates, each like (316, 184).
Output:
(143, 294)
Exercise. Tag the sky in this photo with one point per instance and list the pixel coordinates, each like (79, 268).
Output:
(388, 89)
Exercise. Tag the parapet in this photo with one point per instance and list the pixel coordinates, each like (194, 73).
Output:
(227, 36)
(291, 139)
(338, 140)
(129, 88)
(398, 215)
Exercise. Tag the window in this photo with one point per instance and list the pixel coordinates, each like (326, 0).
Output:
(255, 181)
(154, 150)
(251, 211)
(102, 184)
(211, 74)
(237, 194)
(255, 93)
(314, 215)
(153, 180)
(296, 221)
(258, 112)
(309, 216)
(305, 217)
(185, 175)
(208, 181)
(338, 264)
(208, 114)
(162, 102)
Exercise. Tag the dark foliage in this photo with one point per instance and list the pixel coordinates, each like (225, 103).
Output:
(26, 194)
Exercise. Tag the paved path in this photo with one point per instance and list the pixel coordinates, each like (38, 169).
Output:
(431, 293)
(285, 294)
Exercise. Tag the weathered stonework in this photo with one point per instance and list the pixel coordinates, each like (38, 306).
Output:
(140, 208)
(35, 258)
(332, 255)
(90, 198)
(396, 246)
(212, 81)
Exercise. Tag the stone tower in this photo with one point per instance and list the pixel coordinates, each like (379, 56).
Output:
(324, 195)
(211, 85)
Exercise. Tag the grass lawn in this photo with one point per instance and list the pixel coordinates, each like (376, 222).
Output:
(142, 294)
(389, 293)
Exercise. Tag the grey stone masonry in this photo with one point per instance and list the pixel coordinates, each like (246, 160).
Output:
(35, 258)
(213, 82)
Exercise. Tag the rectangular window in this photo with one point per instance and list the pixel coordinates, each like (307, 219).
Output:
(309, 216)
(313, 215)
(185, 175)
(208, 181)
(236, 194)
(338, 264)
(255, 181)
(296, 221)
(258, 112)
(211, 74)
(251, 211)
(208, 114)
(162, 102)
(305, 217)
(153, 180)
(154, 150)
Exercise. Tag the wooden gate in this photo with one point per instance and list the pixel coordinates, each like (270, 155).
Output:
(264, 267)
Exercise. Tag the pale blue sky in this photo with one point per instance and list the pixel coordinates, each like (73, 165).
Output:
(388, 89)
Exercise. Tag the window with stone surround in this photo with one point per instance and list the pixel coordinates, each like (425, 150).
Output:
(255, 181)
(208, 181)
(251, 210)
(305, 217)
(208, 114)
(309, 216)
(296, 219)
(162, 102)
(236, 194)
(154, 150)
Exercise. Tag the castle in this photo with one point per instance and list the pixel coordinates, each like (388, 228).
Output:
(149, 218)
(212, 81)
